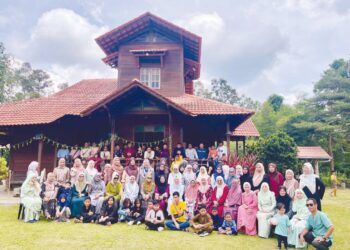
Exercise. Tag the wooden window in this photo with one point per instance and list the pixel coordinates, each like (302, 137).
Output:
(150, 77)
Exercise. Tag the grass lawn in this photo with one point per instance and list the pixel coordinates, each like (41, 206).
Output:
(50, 235)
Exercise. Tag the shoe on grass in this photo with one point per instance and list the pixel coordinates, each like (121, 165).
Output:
(130, 223)
(204, 234)
(160, 229)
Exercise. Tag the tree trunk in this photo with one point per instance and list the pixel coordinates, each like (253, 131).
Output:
(330, 151)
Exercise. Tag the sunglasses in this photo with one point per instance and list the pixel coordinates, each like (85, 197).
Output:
(309, 204)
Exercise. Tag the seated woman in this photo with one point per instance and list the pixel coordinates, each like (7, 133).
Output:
(188, 175)
(97, 192)
(87, 213)
(62, 210)
(90, 171)
(266, 205)
(175, 173)
(49, 194)
(131, 189)
(246, 220)
(298, 221)
(204, 194)
(118, 167)
(130, 170)
(137, 215)
(145, 171)
(114, 187)
(79, 193)
(30, 198)
(219, 195)
(228, 227)
(61, 172)
(230, 177)
(234, 199)
(203, 174)
(124, 211)
(190, 198)
(161, 171)
(161, 193)
(76, 170)
(148, 188)
(285, 199)
(109, 212)
(202, 223)
(178, 187)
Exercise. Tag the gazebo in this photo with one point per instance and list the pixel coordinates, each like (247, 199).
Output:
(315, 154)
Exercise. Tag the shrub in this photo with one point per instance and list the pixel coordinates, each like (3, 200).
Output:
(3, 169)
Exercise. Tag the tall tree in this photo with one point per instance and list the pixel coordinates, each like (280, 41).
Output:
(275, 102)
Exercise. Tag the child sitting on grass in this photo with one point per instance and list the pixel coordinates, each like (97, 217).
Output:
(155, 218)
(109, 212)
(124, 210)
(137, 214)
(202, 222)
(87, 213)
(62, 209)
(217, 220)
(228, 226)
(281, 220)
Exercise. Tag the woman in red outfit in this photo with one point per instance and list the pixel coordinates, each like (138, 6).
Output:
(219, 196)
(276, 179)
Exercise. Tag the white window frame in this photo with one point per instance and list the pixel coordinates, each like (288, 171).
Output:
(146, 74)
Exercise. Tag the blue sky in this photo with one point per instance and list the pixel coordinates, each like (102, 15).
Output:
(260, 47)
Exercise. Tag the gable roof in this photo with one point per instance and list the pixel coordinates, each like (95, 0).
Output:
(315, 153)
(87, 95)
(247, 128)
(110, 41)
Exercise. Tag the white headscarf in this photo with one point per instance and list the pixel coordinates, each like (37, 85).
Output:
(239, 171)
(33, 168)
(188, 174)
(226, 170)
(202, 175)
(219, 188)
(308, 180)
(258, 177)
(90, 168)
(131, 190)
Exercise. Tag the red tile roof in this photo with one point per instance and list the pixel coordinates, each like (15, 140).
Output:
(316, 153)
(87, 95)
(246, 128)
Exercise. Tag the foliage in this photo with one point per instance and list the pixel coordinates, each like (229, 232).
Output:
(221, 91)
(248, 160)
(3, 169)
(275, 102)
(279, 148)
(19, 80)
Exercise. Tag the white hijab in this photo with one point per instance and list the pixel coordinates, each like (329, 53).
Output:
(220, 188)
(33, 168)
(308, 180)
(202, 175)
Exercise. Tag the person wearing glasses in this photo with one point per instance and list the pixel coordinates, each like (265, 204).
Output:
(319, 229)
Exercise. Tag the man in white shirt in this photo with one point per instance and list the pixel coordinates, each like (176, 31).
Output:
(221, 150)
(149, 154)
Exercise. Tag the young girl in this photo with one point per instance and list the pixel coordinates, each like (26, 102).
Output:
(137, 214)
(228, 226)
(109, 212)
(87, 213)
(283, 223)
(125, 210)
(62, 209)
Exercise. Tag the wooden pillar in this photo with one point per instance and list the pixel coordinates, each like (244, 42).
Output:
(317, 171)
(228, 140)
(237, 147)
(112, 137)
(170, 133)
(55, 157)
(243, 145)
(40, 152)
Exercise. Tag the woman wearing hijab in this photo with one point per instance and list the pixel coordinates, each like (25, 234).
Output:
(131, 189)
(162, 192)
(246, 220)
(90, 171)
(219, 195)
(61, 172)
(49, 194)
(188, 175)
(286, 200)
(118, 167)
(79, 193)
(290, 183)
(97, 192)
(30, 198)
(259, 177)
(226, 171)
(177, 186)
(245, 177)
(76, 170)
(276, 179)
(33, 168)
(239, 171)
(203, 174)
(234, 199)
(266, 206)
(204, 194)
(130, 170)
(175, 174)
(190, 197)
(311, 184)
(231, 176)
(218, 172)
(114, 187)
(298, 222)
(145, 170)
(148, 188)
(161, 171)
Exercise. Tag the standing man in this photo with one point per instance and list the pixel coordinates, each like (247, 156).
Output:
(318, 230)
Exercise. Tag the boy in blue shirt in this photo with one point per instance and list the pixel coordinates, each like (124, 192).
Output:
(281, 220)
(228, 226)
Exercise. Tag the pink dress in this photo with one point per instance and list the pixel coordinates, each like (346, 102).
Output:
(247, 217)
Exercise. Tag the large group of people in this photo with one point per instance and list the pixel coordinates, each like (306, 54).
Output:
(190, 188)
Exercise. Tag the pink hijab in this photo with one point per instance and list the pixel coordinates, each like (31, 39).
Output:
(234, 196)
(191, 192)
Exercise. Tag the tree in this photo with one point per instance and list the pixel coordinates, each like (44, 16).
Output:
(3, 169)
(275, 102)
(6, 75)
(279, 148)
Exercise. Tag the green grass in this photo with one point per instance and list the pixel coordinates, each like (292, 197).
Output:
(50, 235)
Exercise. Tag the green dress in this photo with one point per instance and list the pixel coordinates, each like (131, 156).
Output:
(30, 198)
(78, 201)
(114, 190)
